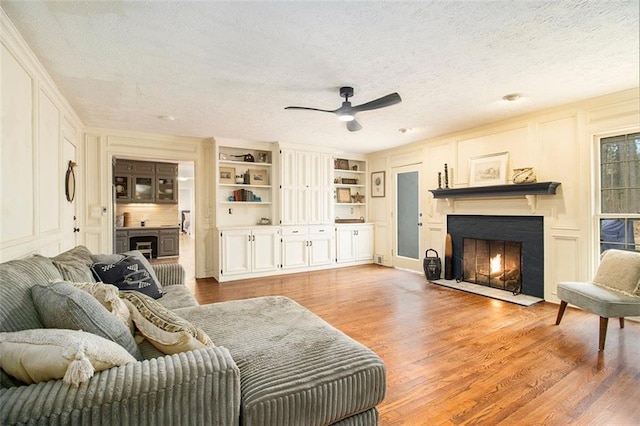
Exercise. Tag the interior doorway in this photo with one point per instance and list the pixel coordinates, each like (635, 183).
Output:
(407, 214)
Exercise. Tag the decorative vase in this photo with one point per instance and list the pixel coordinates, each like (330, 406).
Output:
(524, 175)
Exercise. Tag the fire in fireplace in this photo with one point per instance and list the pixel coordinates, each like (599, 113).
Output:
(493, 263)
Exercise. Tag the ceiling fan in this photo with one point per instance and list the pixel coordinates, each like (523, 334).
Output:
(348, 113)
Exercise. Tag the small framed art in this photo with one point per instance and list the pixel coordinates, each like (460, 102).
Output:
(343, 195)
(227, 174)
(488, 169)
(377, 184)
(257, 177)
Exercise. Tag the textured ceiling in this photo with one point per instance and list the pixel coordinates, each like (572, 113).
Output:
(228, 69)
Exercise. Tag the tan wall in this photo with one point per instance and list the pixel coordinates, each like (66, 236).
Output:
(559, 143)
(152, 214)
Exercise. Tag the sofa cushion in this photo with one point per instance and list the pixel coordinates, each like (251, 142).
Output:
(129, 273)
(293, 365)
(75, 264)
(619, 270)
(60, 305)
(17, 311)
(164, 329)
(115, 258)
(177, 296)
(39, 355)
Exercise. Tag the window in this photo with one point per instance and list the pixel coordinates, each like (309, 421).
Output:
(620, 192)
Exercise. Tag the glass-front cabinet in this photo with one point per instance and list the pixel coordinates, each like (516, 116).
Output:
(143, 188)
(166, 189)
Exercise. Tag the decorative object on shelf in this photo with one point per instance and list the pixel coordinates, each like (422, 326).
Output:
(354, 167)
(239, 179)
(257, 176)
(343, 195)
(119, 221)
(70, 182)
(262, 157)
(126, 219)
(249, 158)
(524, 175)
(448, 258)
(264, 221)
(349, 181)
(488, 169)
(446, 176)
(227, 174)
(357, 198)
(432, 265)
(223, 156)
(341, 164)
(337, 179)
(377, 184)
(360, 220)
(439, 180)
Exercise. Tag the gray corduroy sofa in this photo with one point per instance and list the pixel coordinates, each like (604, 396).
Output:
(274, 363)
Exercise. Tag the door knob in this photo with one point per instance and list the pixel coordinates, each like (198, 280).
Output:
(419, 223)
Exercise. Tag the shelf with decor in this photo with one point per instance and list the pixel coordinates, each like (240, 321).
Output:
(244, 189)
(529, 190)
(350, 189)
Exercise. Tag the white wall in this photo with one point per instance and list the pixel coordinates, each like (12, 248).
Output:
(39, 134)
(559, 143)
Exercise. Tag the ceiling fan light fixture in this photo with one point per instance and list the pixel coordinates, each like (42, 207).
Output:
(346, 117)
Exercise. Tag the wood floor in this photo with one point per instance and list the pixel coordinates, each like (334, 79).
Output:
(455, 358)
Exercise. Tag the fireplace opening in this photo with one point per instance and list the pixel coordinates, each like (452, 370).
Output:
(493, 263)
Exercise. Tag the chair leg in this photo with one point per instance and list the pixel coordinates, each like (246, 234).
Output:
(563, 306)
(603, 332)
(621, 322)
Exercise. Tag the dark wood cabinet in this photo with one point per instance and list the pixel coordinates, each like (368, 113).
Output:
(169, 242)
(165, 241)
(145, 182)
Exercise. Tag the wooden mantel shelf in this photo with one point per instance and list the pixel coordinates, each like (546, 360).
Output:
(528, 190)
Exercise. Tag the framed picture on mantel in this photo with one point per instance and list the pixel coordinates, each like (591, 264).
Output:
(488, 169)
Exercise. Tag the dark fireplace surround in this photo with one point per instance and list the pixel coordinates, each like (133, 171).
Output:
(527, 230)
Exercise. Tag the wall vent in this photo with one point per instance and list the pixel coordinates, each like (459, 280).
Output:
(378, 258)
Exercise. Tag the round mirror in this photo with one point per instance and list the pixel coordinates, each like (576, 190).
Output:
(70, 182)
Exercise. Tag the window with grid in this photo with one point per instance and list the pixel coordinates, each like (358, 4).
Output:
(620, 192)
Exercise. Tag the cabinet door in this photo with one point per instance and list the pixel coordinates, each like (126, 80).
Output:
(364, 238)
(345, 244)
(122, 188)
(143, 187)
(143, 167)
(236, 252)
(166, 190)
(265, 249)
(169, 243)
(295, 252)
(170, 169)
(288, 188)
(124, 166)
(122, 242)
(321, 249)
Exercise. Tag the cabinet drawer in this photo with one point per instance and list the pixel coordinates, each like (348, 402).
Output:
(121, 234)
(143, 167)
(320, 229)
(294, 230)
(142, 233)
(169, 231)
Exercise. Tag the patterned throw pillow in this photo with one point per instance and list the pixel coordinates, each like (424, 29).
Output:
(129, 273)
(165, 330)
(42, 354)
(61, 305)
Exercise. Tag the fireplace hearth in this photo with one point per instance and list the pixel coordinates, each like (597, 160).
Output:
(522, 234)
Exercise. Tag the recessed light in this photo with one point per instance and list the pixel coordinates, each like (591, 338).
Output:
(512, 97)
(167, 117)
(404, 130)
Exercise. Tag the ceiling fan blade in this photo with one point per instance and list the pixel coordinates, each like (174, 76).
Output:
(382, 102)
(353, 126)
(310, 109)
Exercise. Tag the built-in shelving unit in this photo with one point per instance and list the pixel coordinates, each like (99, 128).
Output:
(350, 189)
(529, 190)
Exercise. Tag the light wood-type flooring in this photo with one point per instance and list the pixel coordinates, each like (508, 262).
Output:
(455, 358)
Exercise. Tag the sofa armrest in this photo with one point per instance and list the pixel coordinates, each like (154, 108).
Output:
(169, 273)
(195, 387)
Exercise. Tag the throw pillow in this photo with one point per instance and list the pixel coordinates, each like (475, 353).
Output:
(168, 332)
(74, 264)
(107, 295)
(115, 258)
(61, 305)
(41, 354)
(129, 273)
(619, 270)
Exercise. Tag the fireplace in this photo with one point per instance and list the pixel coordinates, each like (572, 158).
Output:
(520, 237)
(493, 263)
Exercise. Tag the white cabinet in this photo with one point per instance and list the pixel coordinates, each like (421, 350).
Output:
(305, 193)
(304, 247)
(354, 243)
(249, 250)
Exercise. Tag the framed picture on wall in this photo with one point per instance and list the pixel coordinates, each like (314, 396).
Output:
(227, 175)
(488, 169)
(377, 184)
